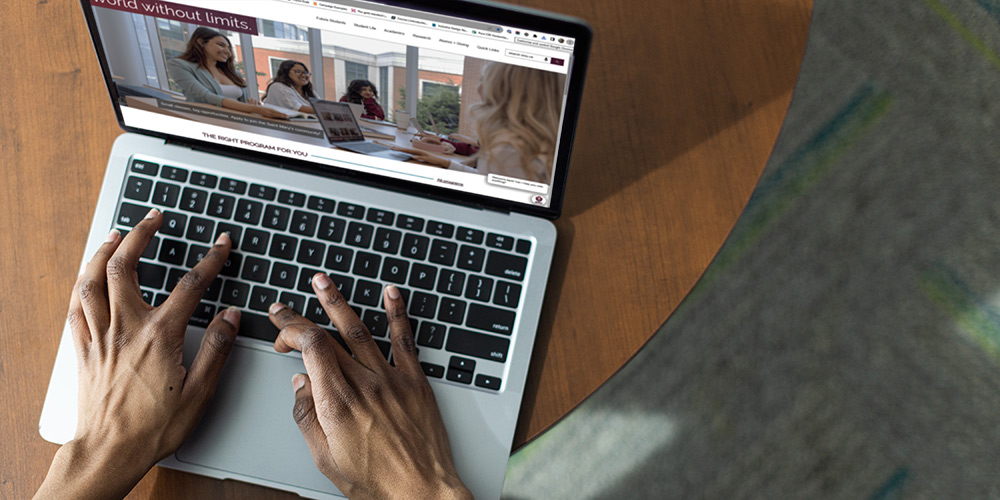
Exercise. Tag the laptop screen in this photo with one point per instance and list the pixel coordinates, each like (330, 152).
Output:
(488, 99)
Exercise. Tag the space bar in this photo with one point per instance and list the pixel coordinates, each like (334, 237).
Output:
(257, 326)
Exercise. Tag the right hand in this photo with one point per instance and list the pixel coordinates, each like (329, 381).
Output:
(270, 113)
(372, 428)
(463, 138)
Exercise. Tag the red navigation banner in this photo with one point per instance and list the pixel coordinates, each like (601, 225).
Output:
(184, 13)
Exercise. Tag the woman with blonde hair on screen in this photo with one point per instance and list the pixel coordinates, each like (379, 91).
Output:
(516, 122)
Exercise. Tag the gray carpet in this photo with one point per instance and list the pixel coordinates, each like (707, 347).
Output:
(845, 343)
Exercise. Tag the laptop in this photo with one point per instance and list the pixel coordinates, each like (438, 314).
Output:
(470, 249)
(342, 130)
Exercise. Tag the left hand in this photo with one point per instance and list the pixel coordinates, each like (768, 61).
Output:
(137, 403)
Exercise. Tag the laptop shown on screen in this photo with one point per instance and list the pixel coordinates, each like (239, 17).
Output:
(342, 130)
(469, 246)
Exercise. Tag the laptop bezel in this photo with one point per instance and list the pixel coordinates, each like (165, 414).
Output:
(525, 18)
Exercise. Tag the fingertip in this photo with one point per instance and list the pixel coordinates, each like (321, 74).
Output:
(298, 381)
(392, 292)
(112, 236)
(224, 239)
(276, 308)
(232, 316)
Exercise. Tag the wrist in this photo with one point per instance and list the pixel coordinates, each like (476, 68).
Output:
(81, 469)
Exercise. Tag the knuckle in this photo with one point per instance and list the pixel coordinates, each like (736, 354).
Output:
(117, 268)
(302, 410)
(356, 332)
(397, 314)
(219, 342)
(312, 337)
(90, 289)
(405, 342)
(333, 298)
(193, 280)
(76, 318)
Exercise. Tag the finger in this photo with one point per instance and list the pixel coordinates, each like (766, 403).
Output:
(77, 321)
(304, 413)
(189, 290)
(212, 354)
(92, 286)
(404, 348)
(316, 345)
(123, 281)
(351, 329)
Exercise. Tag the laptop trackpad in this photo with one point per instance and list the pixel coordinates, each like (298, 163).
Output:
(248, 428)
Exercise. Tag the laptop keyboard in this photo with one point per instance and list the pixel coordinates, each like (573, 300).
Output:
(462, 285)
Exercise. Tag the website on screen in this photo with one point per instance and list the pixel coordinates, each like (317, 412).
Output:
(460, 104)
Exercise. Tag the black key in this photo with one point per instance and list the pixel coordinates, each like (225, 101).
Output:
(490, 319)
(451, 311)
(173, 252)
(338, 258)
(432, 370)
(316, 313)
(443, 252)
(200, 229)
(344, 284)
(331, 229)
(283, 247)
(321, 204)
(507, 294)
(173, 223)
(232, 266)
(422, 276)
(204, 180)
(291, 198)
(130, 215)
(384, 347)
(255, 269)
(506, 265)
(431, 335)
(500, 241)
(147, 296)
(415, 246)
(367, 293)
(193, 200)
(256, 241)
(451, 282)
(462, 363)
(383, 217)
(351, 210)
(305, 279)
(203, 315)
(173, 278)
(214, 290)
(460, 376)
(248, 211)
(377, 322)
(235, 293)
(367, 264)
(144, 167)
(479, 288)
(471, 258)
(234, 232)
(440, 229)
(221, 206)
(160, 299)
(150, 252)
(233, 186)
(263, 192)
(410, 222)
(283, 275)
(294, 301)
(477, 345)
(311, 252)
(387, 240)
(276, 217)
(257, 326)
(469, 235)
(487, 382)
(166, 194)
(151, 275)
(174, 173)
(424, 305)
(523, 246)
(359, 235)
(394, 270)
(304, 223)
(262, 297)
(195, 254)
(138, 188)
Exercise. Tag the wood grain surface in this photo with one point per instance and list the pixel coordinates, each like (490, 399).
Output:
(683, 103)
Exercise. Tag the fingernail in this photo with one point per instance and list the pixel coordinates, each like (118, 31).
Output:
(112, 236)
(276, 307)
(392, 291)
(152, 213)
(322, 281)
(222, 238)
(298, 381)
(232, 315)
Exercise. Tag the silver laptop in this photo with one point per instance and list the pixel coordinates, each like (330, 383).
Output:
(471, 250)
(342, 130)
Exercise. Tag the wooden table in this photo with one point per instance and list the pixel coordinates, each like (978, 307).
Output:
(682, 107)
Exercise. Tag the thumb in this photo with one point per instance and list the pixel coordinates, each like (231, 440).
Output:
(304, 413)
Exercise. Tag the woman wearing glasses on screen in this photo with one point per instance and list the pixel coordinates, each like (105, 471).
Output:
(290, 88)
(516, 122)
(206, 73)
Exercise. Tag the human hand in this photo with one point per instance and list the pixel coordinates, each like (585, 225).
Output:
(419, 154)
(270, 113)
(137, 403)
(429, 139)
(372, 428)
(463, 138)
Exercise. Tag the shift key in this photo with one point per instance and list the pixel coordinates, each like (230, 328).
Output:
(506, 265)
(477, 345)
